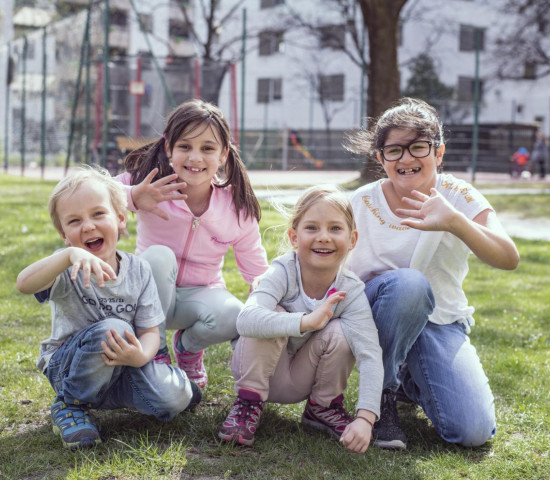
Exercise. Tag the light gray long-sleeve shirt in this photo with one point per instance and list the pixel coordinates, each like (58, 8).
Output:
(282, 285)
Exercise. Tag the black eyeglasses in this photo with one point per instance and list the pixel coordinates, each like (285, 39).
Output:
(418, 149)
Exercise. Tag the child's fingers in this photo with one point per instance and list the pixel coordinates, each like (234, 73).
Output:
(131, 338)
(115, 340)
(74, 270)
(336, 297)
(150, 176)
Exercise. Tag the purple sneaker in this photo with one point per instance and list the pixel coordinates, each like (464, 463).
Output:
(242, 421)
(190, 362)
(332, 419)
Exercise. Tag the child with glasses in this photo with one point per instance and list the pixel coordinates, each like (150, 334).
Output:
(416, 230)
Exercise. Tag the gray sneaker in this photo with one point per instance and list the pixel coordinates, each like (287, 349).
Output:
(387, 431)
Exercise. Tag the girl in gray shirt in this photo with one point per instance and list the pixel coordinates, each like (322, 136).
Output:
(305, 326)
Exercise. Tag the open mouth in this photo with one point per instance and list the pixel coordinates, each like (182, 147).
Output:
(408, 171)
(322, 251)
(94, 245)
(195, 169)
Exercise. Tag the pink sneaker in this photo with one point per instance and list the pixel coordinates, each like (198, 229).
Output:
(242, 421)
(163, 357)
(332, 419)
(190, 362)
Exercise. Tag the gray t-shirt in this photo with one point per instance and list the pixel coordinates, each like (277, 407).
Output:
(132, 297)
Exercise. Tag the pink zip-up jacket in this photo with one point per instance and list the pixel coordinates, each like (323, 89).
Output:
(200, 243)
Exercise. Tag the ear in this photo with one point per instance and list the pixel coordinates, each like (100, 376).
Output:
(354, 236)
(439, 154)
(122, 220)
(224, 155)
(167, 149)
(293, 237)
(379, 158)
(65, 239)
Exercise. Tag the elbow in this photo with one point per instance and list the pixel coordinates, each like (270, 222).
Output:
(21, 285)
(511, 261)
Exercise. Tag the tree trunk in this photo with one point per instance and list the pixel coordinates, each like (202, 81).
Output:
(381, 18)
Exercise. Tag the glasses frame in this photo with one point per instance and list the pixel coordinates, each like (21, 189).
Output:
(406, 147)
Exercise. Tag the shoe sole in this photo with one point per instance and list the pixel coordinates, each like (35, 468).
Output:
(237, 439)
(312, 424)
(390, 444)
(86, 442)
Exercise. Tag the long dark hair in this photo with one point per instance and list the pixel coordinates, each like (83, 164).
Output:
(188, 117)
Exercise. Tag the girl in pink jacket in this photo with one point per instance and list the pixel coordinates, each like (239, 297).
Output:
(187, 218)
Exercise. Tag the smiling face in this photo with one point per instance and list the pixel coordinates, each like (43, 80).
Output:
(410, 173)
(197, 155)
(322, 238)
(89, 221)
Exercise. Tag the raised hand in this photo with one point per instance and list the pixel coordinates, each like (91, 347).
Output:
(81, 259)
(428, 212)
(118, 350)
(148, 194)
(322, 314)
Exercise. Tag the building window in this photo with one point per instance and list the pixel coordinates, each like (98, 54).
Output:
(147, 22)
(467, 40)
(269, 90)
(271, 3)
(332, 36)
(120, 99)
(271, 43)
(118, 18)
(331, 88)
(466, 89)
(530, 70)
(178, 29)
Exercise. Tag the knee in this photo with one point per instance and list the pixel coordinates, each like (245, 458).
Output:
(112, 323)
(334, 338)
(472, 430)
(173, 401)
(160, 258)
(414, 285)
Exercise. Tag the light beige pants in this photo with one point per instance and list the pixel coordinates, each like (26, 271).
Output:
(319, 369)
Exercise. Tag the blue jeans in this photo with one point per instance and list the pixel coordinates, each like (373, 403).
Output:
(79, 375)
(438, 367)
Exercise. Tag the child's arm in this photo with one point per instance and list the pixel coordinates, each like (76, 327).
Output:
(484, 235)
(41, 274)
(131, 351)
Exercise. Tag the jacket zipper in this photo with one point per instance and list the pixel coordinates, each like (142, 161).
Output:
(188, 242)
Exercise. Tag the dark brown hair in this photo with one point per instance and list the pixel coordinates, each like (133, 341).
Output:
(188, 117)
(407, 113)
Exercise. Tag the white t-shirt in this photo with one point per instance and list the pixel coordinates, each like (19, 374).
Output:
(384, 244)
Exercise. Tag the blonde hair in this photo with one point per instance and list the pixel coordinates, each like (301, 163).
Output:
(331, 194)
(85, 173)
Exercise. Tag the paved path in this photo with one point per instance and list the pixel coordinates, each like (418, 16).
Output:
(267, 185)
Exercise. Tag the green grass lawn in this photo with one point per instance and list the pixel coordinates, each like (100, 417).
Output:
(511, 335)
